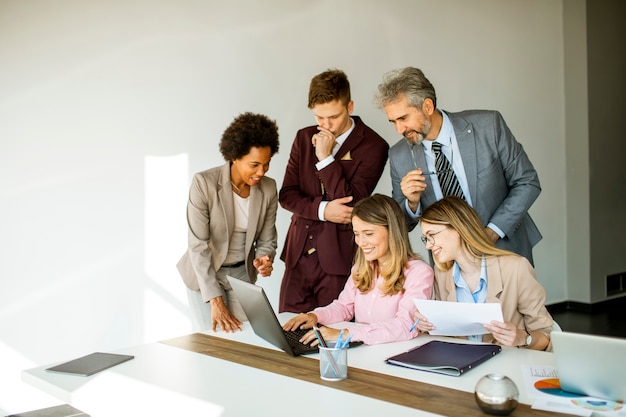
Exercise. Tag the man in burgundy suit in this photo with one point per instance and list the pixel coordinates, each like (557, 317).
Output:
(331, 166)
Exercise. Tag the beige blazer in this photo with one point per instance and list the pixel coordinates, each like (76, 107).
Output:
(211, 220)
(511, 281)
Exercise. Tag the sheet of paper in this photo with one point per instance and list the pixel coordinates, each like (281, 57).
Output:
(458, 319)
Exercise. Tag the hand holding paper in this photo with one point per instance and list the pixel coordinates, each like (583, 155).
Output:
(458, 319)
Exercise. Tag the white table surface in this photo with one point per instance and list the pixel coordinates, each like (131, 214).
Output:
(165, 380)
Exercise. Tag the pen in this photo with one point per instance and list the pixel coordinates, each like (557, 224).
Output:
(320, 339)
(319, 336)
(414, 325)
(347, 341)
(339, 343)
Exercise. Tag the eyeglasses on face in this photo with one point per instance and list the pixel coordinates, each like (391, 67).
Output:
(430, 238)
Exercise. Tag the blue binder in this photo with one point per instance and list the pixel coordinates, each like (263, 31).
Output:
(447, 358)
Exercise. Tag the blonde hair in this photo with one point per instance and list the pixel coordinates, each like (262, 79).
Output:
(383, 211)
(455, 213)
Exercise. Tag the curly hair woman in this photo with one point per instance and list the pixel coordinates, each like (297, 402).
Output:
(231, 216)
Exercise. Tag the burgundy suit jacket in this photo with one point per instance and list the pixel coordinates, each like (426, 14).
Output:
(358, 165)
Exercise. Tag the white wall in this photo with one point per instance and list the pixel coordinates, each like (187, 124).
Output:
(107, 109)
(577, 152)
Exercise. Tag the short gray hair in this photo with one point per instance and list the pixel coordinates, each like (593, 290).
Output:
(409, 82)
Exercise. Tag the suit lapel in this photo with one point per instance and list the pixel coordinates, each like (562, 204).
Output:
(467, 145)
(225, 194)
(428, 196)
(256, 198)
(494, 280)
(353, 139)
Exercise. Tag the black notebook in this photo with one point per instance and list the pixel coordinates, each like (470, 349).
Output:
(447, 358)
(90, 364)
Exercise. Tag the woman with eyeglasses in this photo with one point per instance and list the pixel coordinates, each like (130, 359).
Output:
(470, 268)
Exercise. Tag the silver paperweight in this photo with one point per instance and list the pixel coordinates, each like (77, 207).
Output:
(496, 394)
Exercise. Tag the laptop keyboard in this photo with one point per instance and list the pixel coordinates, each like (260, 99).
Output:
(293, 337)
(294, 340)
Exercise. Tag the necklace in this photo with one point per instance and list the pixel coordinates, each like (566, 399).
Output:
(237, 189)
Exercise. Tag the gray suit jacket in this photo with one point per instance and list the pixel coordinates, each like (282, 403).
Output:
(211, 220)
(502, 181)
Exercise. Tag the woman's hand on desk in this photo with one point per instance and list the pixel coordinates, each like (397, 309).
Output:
(222, 317)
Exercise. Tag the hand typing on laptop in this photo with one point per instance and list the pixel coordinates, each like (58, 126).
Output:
(307, 321)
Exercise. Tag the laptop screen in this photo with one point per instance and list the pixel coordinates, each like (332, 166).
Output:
(591, 365)
(262, 318)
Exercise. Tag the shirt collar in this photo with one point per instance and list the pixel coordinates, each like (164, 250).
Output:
(480, 294)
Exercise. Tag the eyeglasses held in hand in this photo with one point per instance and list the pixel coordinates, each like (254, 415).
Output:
(436, 172)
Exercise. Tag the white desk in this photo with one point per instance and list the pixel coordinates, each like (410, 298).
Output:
(165, 380)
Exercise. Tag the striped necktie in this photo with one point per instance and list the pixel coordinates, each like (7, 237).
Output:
(448, 181)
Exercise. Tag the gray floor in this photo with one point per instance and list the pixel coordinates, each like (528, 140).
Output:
(608, 319)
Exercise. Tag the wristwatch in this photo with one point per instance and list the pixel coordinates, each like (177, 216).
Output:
(529, 339)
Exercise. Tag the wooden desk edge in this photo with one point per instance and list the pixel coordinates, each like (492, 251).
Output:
(408, 393)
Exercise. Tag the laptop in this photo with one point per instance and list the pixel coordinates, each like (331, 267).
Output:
(264, 321)
(591, 365)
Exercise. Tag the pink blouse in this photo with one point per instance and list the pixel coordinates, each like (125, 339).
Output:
(381, 318)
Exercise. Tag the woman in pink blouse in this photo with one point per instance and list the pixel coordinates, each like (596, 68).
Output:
(387, 275)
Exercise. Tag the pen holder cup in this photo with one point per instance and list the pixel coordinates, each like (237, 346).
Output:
(333, 363)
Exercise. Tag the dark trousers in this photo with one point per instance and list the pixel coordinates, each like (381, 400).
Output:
(307, 286)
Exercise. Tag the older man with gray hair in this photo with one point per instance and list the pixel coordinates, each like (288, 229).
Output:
(471, 154)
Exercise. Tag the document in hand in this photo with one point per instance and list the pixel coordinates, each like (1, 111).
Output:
(447, 358)
(458, 319)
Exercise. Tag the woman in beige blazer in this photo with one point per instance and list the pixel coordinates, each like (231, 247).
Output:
(469, 268)
(231, 215)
